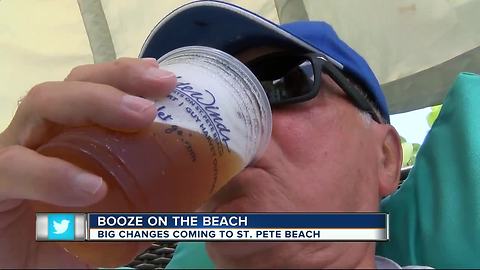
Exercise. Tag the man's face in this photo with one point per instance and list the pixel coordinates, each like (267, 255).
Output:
(323, 156)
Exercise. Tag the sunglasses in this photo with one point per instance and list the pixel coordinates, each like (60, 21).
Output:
(293, 78)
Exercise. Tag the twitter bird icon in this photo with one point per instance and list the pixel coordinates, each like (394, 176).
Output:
(61, 227)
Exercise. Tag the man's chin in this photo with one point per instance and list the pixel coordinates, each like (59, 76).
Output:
(238, 195)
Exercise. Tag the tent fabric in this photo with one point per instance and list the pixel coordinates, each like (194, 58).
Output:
(415, 47)
(130, 22)
(36, 47)
(43, 40)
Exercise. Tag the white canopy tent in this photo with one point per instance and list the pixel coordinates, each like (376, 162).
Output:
(416, 47)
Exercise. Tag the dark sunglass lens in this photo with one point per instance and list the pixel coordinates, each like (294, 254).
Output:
(299, 80)
(295, 82)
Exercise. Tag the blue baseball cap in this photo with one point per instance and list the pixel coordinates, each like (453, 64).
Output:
(233, 29)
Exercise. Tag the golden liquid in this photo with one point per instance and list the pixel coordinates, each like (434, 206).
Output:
(174, 170)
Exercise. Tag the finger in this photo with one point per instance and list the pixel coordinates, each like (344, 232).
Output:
(76, 104)
(79, 104)
(25, 174)
(140, 77)
(85, 103)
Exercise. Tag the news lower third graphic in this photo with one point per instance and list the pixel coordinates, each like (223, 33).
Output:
(212, 227)
(60, 227)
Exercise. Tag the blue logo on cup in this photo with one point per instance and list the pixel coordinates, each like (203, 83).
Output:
(61, 227)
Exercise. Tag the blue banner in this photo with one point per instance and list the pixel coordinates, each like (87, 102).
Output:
(250, 220)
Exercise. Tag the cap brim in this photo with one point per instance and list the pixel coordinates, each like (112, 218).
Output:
(219, 25)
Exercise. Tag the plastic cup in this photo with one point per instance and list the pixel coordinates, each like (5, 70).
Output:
(216, 122)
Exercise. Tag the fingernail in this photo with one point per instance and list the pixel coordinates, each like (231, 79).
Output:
(88, 183)
(136, 104)
(157, 74)
(150, 60)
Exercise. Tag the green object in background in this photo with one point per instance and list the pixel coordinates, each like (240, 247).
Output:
(190, 255)
(435, 215)
(407, 149)
(432, 116)
(410, 151)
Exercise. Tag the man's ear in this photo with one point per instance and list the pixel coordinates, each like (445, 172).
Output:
(390, 161)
